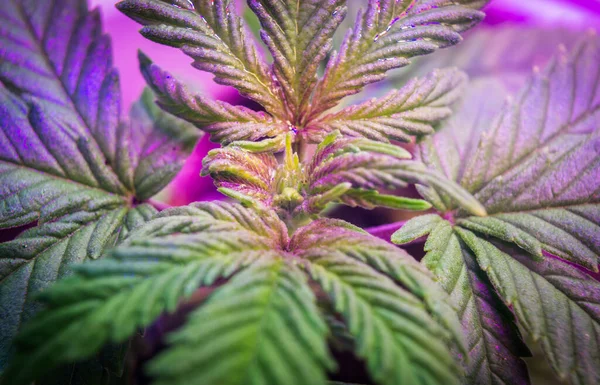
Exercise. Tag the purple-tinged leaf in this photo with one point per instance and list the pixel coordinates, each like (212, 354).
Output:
(212, 34)
(413, 110)
(386, 35)
(535, 166)
(64, 162)
(299, 36)
(55, 55)
(555, 303)
(456, 141)
(494, 342)
(226, 123)
(535, 169)
(502, 52)
(154, 147)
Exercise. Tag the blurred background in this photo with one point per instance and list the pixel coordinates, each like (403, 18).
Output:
(516, 35)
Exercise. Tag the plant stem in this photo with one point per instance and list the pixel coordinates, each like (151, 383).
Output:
(385, 231)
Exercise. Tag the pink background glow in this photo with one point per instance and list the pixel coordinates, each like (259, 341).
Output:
(189, 186)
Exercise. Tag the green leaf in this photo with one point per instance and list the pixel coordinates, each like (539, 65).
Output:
(299, 36)
(386, 35)
(336, 236)
(160, 264)
(393, 333)
(413, 110)
(372, 199)
(244, 172)
(494, 342)
(213, 35)
(416, 228)
(226, 123)
(264, 325)
(261, 315)
(68, 162)
(371, 168)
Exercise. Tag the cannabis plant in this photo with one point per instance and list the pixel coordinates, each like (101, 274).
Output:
(277, 290)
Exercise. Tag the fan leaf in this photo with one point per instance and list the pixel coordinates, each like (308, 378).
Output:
(494, 342)
(556, 303)
(393, 333)
(68, 162)
(340, 237)
(160, 264)
(528, 184)
(499, 52)
(535, 170)
(157, 144)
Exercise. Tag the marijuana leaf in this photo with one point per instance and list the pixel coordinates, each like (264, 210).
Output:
(212, 34)
(493, 341)
(522, 171)
(386, 35)
(147, 276)
(525, 185)
(412, 110)
(379, 314)
(299, 37)
(67, 161)
(157, 145)
(226, 123)
(557, 295)
(261, 314)
(336, 236)
(354, 171)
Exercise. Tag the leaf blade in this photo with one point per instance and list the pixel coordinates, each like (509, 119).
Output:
(413, 110)
(212, 34)
(382, 40)
(256, 302)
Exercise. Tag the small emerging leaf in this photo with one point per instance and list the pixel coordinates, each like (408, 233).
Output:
(371, 168)
(242, 171)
